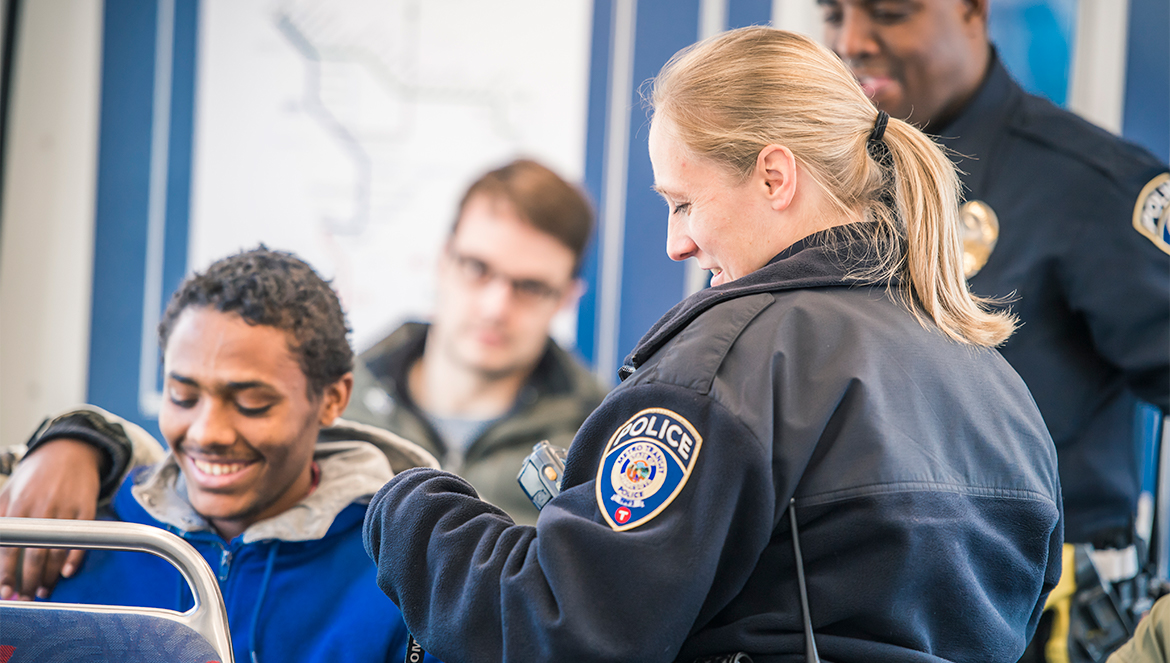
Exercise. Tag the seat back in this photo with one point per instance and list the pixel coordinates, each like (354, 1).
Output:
(72, 632)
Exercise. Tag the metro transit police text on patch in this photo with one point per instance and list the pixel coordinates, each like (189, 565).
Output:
(668, 430)
(645, 465)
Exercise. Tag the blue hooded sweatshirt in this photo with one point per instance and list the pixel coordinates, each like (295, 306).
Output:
(297, 587)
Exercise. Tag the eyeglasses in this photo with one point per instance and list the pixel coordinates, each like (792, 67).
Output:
(478, 273)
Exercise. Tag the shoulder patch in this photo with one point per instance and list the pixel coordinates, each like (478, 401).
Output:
(645, 465)
(1152, 210)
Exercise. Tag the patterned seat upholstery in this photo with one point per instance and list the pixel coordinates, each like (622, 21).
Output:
(71, 636)
(37, 632)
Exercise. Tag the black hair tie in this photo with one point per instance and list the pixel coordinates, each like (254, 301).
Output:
(879, 127)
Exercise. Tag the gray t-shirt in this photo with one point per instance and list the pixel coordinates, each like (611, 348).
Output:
(458, 434)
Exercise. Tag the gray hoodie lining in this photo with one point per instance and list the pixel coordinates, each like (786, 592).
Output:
(350, 471)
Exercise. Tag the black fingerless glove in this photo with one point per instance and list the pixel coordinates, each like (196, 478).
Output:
(109, 438)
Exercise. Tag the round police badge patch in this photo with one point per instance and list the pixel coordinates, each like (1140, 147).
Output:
(1151, 215)
(644, 467)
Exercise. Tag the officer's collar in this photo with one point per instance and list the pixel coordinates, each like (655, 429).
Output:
(827, 258)
(972, 131)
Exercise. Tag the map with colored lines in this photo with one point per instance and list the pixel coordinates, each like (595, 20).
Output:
(346, 130)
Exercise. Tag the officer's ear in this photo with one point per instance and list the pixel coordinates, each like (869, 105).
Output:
(777, 175)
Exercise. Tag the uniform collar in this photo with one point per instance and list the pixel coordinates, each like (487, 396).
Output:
(818, 260)
(972, 133)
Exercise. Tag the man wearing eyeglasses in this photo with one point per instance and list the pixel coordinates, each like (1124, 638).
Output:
(484, 382)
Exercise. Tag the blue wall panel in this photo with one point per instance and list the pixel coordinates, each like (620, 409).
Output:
(652, 282)
(123, 192)
(742, 13)
(182, 133)
(599, 75)
(1035, 40)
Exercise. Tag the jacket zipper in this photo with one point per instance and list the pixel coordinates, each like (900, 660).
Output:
(225, 565)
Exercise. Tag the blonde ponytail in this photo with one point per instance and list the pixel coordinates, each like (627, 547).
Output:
(733, 94)
(926, 195)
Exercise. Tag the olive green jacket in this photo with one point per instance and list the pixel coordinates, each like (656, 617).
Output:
(1150, 643)
(557, 398)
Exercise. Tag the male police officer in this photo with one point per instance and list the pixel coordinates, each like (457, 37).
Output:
(1064, 219)
(483, 383)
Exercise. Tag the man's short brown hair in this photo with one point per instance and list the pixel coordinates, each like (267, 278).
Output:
(540, 197)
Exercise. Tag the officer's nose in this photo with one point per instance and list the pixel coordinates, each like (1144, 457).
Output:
(853, 39)
(679, 245)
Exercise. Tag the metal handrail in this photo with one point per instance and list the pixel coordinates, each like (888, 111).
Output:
(208, 616)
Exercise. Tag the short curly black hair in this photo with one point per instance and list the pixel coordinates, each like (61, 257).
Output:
(275, 289)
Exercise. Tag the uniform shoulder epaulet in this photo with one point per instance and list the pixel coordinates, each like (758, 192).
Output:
(1128, 165)
(706, 339)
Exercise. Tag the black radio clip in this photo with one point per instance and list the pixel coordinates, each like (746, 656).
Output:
(541, 473)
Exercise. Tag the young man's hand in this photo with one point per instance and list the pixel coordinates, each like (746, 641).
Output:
(60, 479)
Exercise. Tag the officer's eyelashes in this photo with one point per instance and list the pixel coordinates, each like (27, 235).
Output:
(675, 208)
(478, 273)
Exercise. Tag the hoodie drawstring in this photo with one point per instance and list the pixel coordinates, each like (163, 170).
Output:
(260, 599)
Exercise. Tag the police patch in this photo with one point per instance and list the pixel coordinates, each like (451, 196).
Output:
(645, 466)
(1152, 210)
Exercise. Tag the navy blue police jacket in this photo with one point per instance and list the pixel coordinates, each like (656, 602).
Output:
(925, 485)
(1082, 258)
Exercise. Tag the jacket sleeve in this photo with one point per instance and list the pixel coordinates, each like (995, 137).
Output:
(123, 444)
(474, 586)
(1119, 280)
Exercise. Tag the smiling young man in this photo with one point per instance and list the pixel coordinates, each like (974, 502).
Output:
(261, 476)
(484, 382)
(1065, 222)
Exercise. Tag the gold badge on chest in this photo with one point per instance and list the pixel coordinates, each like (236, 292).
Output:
(980, 232)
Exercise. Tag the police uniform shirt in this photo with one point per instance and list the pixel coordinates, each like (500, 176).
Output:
(1082, 259)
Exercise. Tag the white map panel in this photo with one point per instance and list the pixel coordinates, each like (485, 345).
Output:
(346, 130)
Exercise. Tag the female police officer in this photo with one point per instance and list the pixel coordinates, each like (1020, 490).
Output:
(838, 364)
